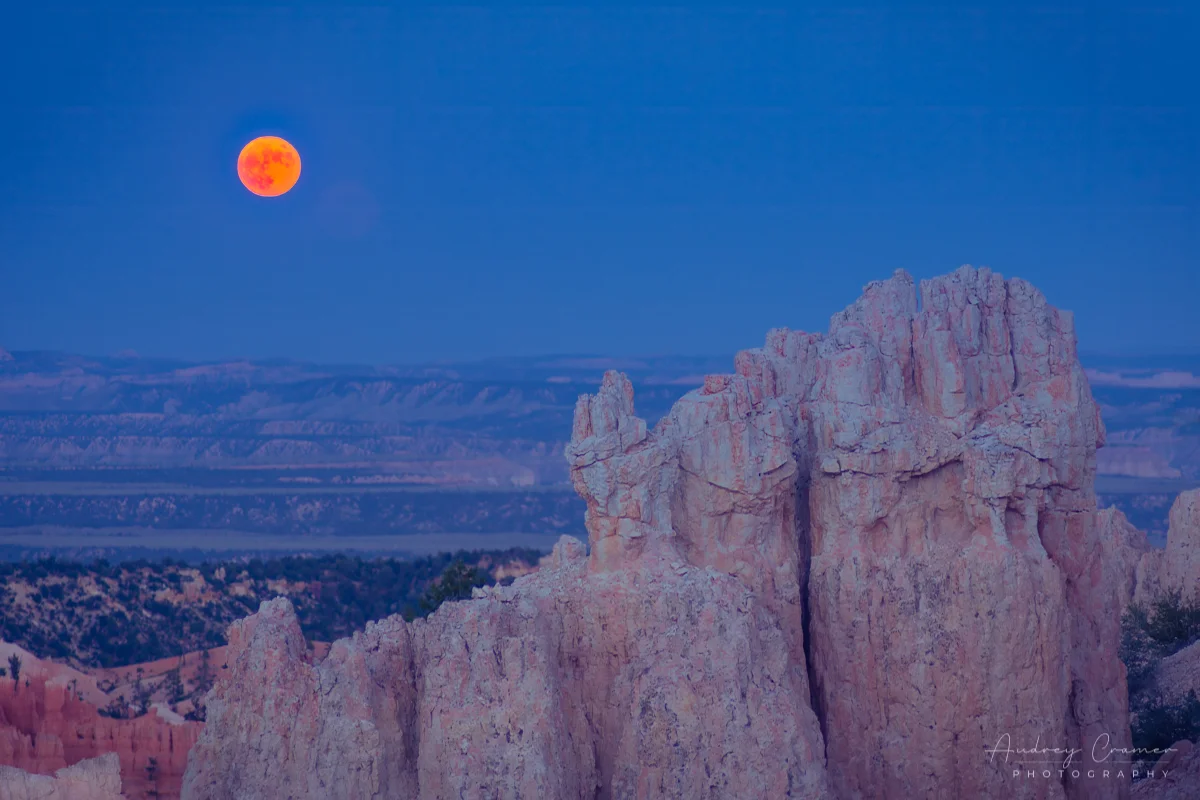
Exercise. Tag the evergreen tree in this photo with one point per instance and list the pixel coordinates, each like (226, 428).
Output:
(173, 683)
(14, 667)
(152, 777)
(141, 693)
(204, 675)
(456, 583)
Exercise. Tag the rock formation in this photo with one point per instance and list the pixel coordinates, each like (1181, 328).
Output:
(45, 727)
(1177, 775)
(845, 570)
(1177, 568)
(1178, 675)
(94, 779)
(52, 673)
(1150, 574)
(664, 681)
(1125, 546)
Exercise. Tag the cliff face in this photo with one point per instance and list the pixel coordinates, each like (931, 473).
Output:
(935, 466)
(956, 560)
(663, 681)
(843, 571)
(44, 728)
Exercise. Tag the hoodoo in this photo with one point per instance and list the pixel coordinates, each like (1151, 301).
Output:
(846, 570)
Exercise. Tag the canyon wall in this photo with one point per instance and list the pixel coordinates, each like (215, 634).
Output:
(846, 570)
(45, 726)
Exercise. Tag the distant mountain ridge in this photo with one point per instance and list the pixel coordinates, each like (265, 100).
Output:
(493, 422)
(500, 422)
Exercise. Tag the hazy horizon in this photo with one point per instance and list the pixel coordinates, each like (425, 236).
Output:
(1085, 356)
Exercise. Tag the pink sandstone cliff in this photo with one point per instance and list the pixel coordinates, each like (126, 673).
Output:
(843, 571)
(44, 727)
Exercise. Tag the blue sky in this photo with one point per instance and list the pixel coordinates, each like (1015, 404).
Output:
(522, 180)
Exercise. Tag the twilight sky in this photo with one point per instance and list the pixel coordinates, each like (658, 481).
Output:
(522, 180)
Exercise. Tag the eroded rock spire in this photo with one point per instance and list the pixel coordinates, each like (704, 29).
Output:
(844, 570)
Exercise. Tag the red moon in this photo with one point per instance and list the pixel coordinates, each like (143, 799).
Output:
(269, 166)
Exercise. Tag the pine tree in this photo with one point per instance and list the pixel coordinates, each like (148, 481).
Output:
(141, 693)
(204, 676)
(152, 777)
(14, 667)
(173, 683)
(456, 583)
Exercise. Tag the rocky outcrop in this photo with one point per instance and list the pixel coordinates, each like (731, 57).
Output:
(94, 779)
(1176, 775)
(1178, 675)
(845, 570)
(955, 541)
(663, 681)
(45, 726)
(1125, 546)
(1177, 568)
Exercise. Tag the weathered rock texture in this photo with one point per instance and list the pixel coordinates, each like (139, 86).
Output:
(1177, 775)
(1177, 568)
(843, 571)
(45, 727)
(956, 559)
(662, 681)
(94, 779)
(1125, 547)
(1178, 675)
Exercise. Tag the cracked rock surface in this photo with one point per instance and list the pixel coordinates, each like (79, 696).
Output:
(842, 571)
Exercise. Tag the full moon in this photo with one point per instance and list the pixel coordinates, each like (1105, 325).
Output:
(269, 166)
